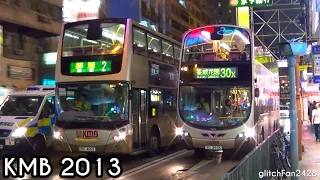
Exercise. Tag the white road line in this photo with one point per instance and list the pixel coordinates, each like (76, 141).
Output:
(156, 162)
(195, 167)
(199, 165)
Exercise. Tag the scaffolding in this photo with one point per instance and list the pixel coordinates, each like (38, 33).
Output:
(283, 21)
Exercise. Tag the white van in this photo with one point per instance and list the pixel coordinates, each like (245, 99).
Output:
(27, 118)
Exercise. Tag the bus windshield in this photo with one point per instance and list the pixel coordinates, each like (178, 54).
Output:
(93, 102)
(93, 39)
(214, 106)
(217, 43)
(21, 106)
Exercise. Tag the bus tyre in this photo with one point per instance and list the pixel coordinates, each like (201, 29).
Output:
(154, 144)
(38, 145)
(198, 152)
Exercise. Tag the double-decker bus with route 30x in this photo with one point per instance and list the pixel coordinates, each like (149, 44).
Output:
(116, 84)
(226, 98)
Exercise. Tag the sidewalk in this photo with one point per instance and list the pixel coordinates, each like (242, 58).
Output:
(311, 155)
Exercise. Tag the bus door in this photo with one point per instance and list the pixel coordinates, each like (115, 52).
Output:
(139, 118)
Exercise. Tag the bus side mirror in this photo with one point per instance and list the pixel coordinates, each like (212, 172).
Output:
(256, 92)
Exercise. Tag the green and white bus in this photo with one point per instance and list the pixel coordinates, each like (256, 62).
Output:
(227, 99)
(116, 84)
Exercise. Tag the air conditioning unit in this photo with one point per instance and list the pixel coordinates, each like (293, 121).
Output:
(24, 38)
(39, 50)
(18, 52)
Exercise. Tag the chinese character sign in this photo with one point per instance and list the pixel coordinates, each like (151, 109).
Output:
(242, 3)
(91, 67)
(216, 73)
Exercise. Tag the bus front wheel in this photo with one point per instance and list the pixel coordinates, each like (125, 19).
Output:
(154, 143)
(198, 152)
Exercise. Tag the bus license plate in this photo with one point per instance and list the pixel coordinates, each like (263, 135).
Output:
(87, 149)
(213, 148)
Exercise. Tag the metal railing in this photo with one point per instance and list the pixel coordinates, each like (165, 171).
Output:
(257, 163)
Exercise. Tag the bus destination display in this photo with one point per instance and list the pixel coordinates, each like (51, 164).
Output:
(216, 73)
(90, 67)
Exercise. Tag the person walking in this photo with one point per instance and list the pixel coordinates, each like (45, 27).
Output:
(316, 121)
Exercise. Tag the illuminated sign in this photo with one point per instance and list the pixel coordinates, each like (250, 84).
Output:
(242, 3)
(226, 32)
(196, 40)
(79, 10)
(216, 73)
(146, 24)
(50, 58)
(47, 82)
(17, 72)
(90, 67)
(243, 17)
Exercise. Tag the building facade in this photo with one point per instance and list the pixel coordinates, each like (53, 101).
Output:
(25, 28)
(171, 18)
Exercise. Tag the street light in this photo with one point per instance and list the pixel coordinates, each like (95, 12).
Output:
(291, 49)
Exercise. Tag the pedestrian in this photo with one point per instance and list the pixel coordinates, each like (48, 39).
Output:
(316, 121)
(310, 109)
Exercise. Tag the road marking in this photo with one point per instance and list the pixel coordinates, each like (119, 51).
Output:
(156, 162)
(195, 167)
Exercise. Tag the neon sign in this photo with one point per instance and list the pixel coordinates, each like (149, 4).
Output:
(216, 73)
(196, 40)
(245, 3)
(226, 32)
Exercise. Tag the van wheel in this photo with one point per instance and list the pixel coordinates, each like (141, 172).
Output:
(154, 143)
(38, 145)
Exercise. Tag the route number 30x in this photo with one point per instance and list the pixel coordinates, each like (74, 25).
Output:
(227, 73)
(82, 167)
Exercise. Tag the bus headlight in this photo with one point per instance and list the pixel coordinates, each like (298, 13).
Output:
(19, 132)
(179, 132)
(57, 135)
(249, 132)
(121, 135)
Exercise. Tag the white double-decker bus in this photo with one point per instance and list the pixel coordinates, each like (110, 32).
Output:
(227, 99)
(116, 84)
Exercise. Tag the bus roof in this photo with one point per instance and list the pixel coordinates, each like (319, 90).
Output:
(135, 23)
(37, 90)
(190, 30)
(154, 32)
